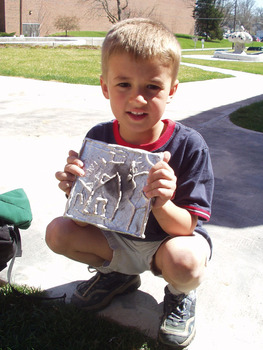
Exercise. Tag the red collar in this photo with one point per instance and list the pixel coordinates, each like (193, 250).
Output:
(147, 146)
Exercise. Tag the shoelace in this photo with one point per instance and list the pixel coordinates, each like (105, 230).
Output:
(179, 311)
(91, 269)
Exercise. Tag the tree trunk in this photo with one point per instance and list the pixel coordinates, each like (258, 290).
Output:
(119, 9)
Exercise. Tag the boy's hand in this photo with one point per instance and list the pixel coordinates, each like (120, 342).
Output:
(161, 182)
(73, 168)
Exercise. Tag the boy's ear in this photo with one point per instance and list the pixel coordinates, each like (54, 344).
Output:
(104, 87)
(172, 91)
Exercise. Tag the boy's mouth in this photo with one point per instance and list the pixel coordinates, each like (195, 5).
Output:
(137, 115)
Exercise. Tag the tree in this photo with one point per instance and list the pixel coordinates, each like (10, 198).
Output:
(117, 10)
(209, 16)
(66, 23)
(245, 15)
(242, 12)
(258, 19)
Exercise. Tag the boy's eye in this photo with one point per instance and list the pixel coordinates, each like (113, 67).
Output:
(153, 87)
(124, 85)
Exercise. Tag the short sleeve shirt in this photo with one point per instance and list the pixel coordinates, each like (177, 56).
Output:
(191, 163)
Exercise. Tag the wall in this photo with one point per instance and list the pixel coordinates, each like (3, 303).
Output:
(176, 14)
(12, 18)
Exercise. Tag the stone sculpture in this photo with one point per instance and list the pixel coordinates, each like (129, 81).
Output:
(240, 39)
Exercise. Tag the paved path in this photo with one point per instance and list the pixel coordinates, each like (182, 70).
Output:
(41, 121)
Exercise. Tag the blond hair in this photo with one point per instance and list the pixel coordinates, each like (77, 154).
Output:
(143, 39)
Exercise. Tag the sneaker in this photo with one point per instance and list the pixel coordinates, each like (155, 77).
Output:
(177, 328)
(98, 292)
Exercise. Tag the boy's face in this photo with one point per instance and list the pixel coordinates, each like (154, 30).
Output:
(138, 91)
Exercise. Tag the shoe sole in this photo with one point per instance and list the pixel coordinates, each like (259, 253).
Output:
(182, 346)
(130, 287)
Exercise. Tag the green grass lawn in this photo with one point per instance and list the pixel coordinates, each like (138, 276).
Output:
(69, 65)
(249, 67)
(82, 34)
(249, 117)
(32, 324)
(81, 65)
(188, 43)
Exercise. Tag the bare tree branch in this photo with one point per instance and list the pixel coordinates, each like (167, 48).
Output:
(116, 10)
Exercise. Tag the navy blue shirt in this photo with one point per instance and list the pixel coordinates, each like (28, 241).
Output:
(192, 166)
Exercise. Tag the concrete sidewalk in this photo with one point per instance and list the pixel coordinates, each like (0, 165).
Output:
(41, 121)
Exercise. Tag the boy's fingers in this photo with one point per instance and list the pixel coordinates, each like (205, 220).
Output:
(74, 160)
(166, 156)
(73, 153)
(162, 185)
(161, 173)
(65, 186)
(163, 164)
(161, 192)
(62, 176)
(74, 169)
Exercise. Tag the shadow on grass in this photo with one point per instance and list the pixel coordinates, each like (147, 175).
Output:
(133, 309)
(27, 323)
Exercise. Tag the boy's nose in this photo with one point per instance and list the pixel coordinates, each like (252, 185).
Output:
(138, 98)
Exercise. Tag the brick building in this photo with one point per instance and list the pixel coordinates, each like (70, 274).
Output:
(37, 17)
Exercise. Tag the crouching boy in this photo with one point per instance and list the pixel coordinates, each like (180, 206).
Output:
(140, 62)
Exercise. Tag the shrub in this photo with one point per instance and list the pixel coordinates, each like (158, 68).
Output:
(7, 34)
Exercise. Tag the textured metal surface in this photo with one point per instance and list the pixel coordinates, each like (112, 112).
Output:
(110, 194)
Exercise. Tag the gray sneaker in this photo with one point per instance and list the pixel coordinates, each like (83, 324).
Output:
(177, 328)
(98, 292)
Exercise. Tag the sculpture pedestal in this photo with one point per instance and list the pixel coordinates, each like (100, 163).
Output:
(239, 56)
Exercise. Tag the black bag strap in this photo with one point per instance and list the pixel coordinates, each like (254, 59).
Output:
(11, 234)
(10, 245)
(15, 234)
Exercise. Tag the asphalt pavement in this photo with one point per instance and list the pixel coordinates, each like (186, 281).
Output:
(40, 121)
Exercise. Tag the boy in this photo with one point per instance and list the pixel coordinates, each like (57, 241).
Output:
(140, 62)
